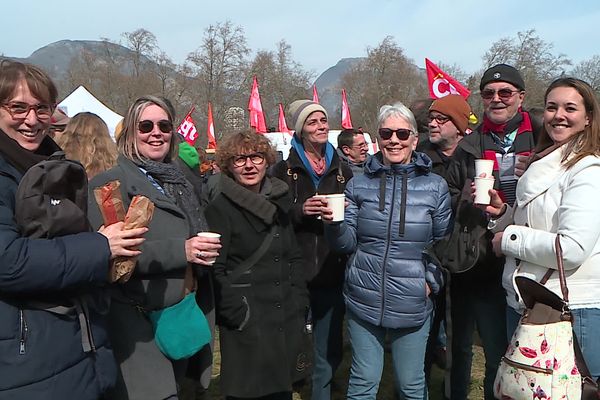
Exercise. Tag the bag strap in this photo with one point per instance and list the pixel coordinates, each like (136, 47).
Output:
(250, 261)
(561, 270)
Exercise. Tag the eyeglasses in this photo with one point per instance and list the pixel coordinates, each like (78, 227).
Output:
(146, 126)
(440, 119)
(360, 146)
(504, 94)
(402, 134)
(20, 110)
(256, 159)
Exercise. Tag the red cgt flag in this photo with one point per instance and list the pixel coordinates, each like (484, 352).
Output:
(441, 84)
(257, 117)
(346, 120)
(187, 128)
(315, 94)
(282, 126)
(210, 130)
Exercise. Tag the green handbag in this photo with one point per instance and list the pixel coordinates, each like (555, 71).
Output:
(180, 330)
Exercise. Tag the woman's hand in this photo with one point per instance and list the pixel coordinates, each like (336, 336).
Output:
(496, 208)
(202, 250)
(314, 205)
(497, 244)
(123, 242)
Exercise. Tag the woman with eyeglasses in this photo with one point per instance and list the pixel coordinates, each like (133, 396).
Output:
(395, 210)
(260, 291)
(147, 148)
(49, 348)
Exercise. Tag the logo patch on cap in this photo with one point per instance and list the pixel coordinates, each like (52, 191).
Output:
(497, 75)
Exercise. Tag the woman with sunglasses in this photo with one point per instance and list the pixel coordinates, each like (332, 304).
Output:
(147, 147)
(261, 295)
(45, 349)
(395, 210)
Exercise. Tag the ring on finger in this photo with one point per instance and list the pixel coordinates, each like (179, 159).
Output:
(200, 254)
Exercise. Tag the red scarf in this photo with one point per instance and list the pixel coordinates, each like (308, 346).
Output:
(317, 165)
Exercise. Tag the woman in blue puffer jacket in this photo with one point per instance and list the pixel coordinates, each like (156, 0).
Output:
(394, 211)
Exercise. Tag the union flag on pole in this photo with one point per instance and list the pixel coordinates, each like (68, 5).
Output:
(282, 126)
(315, 94)
(187, 128)
(257, 117)
(346, 120)
(441, 84)
(210, 130)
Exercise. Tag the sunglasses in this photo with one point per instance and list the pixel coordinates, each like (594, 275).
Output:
(146, 126)
(19, 110)
(256, 159)
(402, 134)
(504, 94)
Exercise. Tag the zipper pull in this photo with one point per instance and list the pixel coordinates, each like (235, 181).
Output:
(23, 333)
(22, 347)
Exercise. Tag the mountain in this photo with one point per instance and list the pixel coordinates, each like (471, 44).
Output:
(56, 57)
(329, 83)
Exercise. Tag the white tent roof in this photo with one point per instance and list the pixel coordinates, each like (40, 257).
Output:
(81, 100)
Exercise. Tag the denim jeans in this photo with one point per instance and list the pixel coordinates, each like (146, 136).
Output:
(512, 321)
(408, 352)
(586, 325)
(486, 310)
(327, 308)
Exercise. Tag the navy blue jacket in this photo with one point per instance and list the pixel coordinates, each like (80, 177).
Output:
(394, 212)
(41, 352)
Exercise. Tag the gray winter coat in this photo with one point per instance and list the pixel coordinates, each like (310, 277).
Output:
(394, 212)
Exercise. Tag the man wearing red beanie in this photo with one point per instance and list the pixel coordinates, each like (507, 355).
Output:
(448, 123)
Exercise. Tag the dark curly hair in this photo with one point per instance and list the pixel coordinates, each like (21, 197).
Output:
(244, 142)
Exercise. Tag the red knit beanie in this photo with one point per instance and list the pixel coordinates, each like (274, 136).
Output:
(455, 107)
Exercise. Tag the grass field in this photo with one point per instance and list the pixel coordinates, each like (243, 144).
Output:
(386, 388)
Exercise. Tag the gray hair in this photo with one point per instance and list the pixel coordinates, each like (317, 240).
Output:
(396, 110)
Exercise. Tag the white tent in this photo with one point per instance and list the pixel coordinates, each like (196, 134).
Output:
(81, 100)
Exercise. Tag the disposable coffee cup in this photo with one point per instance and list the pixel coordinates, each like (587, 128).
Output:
(214, 235)
(484, 168)
(482, 190)
(337, 204)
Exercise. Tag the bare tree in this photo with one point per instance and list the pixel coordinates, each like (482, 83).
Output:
(386, 75)
(281, 79)
(589, 71)
(143, 45)
(533, 57)
(218, 68)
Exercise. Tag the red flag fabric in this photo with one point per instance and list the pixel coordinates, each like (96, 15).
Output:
(187, 128)
(210, 130)
(257, 117)
(441, 84)
(346, 120)
(315, 94)
(282, 126)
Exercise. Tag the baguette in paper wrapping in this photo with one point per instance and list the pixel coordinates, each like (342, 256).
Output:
(139, 214)
(110, 202)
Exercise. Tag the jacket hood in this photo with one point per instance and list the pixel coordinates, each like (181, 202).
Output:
(420, 163)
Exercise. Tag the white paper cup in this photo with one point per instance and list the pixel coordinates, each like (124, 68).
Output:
(337, 203)
(482, 190)
(484, 168)
(209, 235)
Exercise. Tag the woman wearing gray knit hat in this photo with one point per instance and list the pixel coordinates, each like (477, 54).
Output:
(313, 167)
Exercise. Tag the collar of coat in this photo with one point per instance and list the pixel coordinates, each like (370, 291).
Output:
(540, 176)
(274, 194)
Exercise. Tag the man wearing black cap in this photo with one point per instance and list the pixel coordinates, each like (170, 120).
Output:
(477, 297)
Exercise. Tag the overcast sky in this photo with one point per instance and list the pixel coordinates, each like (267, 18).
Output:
(320, 32)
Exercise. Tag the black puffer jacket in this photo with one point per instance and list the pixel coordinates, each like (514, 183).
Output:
(324, 268)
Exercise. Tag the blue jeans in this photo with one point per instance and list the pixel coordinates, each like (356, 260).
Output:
(327, 308)
(512, 321)
(586, 325)
(486, 310)
(408, 352)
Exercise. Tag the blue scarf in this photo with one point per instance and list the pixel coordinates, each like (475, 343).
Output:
(329, 151)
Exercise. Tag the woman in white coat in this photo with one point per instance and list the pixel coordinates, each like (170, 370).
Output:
(559, 194)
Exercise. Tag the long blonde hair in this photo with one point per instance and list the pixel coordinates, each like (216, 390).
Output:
(86, 139)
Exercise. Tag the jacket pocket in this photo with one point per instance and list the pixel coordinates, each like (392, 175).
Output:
(23, 331)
